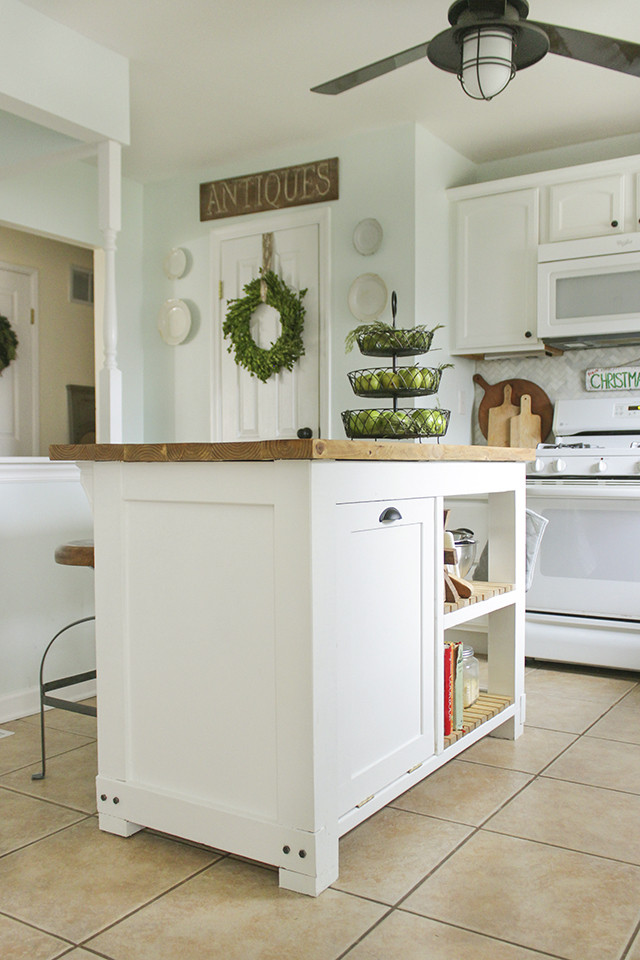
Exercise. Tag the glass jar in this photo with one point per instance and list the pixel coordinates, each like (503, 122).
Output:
(470, 677)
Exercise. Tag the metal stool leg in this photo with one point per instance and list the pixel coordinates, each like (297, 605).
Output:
(56, 701)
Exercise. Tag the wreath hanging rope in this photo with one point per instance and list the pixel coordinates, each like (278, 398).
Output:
(8, 344)
(289, 347)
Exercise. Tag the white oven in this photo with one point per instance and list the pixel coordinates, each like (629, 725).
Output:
(583, 605)
(584, 602)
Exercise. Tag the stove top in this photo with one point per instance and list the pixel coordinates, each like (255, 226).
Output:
(595, 437)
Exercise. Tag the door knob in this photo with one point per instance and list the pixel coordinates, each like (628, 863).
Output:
(305, 433)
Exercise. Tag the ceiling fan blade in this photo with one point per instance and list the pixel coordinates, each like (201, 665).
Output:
(373, 70)
(621, 55)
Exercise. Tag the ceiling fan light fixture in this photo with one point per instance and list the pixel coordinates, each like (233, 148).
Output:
(487, 62)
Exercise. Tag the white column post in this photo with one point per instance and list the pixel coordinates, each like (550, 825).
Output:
(109, 393)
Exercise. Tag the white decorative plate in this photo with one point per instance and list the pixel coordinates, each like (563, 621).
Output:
(175, 263)
(174, 322)
(367, 237)
(367, 297)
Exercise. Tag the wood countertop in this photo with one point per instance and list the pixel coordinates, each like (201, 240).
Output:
(285, 450)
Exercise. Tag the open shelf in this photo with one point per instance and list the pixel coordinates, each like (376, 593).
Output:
(487, 706)
(490, 595)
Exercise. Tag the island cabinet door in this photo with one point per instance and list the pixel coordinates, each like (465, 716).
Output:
(385, 631)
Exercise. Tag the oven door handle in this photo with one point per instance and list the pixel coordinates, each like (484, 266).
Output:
(589, 490)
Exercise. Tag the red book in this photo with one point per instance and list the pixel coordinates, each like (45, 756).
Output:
(448, 688)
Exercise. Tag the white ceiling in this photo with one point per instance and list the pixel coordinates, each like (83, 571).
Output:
(213, 81)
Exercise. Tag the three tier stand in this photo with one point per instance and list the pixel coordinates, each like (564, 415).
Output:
(395, 383)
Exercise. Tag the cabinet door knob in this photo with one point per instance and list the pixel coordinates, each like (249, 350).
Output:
(614, 223)
(390, 514)
(305, 433)
(528, 334)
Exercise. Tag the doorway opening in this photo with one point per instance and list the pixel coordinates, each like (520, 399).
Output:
(57, 344)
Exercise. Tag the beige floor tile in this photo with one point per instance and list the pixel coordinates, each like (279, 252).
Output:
(24, 746)
(24, 820)
(75, 882)
(390, 852)
(602, 763)
(634, 953)
(80, 954)
(601, 687)
(568, 904)
(572, 815)
(70, 779)
(562, 713)
(530, 753)
(622, 722)
(235, 911)
(19, 942)
(67, 720)
(403, 936)
(464, 792)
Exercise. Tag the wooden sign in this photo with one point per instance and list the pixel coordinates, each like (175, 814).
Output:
(270, 190)
(618, 378)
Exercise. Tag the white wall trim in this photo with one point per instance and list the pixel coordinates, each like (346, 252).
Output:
(25, 703)
(37, 470)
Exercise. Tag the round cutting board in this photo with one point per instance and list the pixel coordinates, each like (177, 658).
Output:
(494, 397)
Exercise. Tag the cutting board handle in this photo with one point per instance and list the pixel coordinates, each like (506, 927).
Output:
(480, 380)
(525, 403)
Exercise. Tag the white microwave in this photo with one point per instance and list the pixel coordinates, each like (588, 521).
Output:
(589, 292)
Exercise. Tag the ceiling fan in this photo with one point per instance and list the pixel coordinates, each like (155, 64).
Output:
(489, 41)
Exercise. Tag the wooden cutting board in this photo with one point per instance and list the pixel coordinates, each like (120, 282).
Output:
(499, 418)
(494, 396)
(525, 428)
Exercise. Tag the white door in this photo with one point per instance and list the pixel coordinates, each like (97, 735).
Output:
(18, 382)
(290, 400)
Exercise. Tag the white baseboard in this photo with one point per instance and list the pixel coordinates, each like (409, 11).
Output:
(14, 706)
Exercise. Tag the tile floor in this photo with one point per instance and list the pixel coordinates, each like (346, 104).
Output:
(512, 851)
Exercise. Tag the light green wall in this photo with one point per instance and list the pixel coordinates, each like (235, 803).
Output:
(439, 167)
(396, 175)
(623, 146)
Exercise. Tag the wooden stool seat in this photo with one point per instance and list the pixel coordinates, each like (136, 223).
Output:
(75, 553)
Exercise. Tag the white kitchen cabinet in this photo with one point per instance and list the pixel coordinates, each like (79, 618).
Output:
(385, 621)
(269, 642)
(495, 241)
(593, 207)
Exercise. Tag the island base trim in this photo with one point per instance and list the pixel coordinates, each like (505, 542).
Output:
(308, 861)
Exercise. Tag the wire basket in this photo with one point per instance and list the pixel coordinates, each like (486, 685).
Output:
(405, 382)
(395, 424)
(399, 343)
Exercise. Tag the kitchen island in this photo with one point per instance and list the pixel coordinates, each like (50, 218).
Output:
(270, 626)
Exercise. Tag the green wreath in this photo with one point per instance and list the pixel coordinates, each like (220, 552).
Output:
(8, 344)
(287, 348)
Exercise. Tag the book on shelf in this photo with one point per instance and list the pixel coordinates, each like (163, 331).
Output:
(453, 687)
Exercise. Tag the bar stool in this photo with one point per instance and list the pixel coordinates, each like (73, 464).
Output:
(75, 553)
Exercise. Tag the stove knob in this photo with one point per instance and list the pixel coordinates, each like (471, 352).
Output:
(559, 465)
(602, 466)
(538, 465)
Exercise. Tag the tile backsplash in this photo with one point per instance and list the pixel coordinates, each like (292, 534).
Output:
(560, 377)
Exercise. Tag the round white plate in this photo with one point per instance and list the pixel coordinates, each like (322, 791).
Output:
(174, 322)
(175, 263)
(367, 237)
(367, 296)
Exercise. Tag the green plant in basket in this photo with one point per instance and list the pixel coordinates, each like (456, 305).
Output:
(380, 336)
